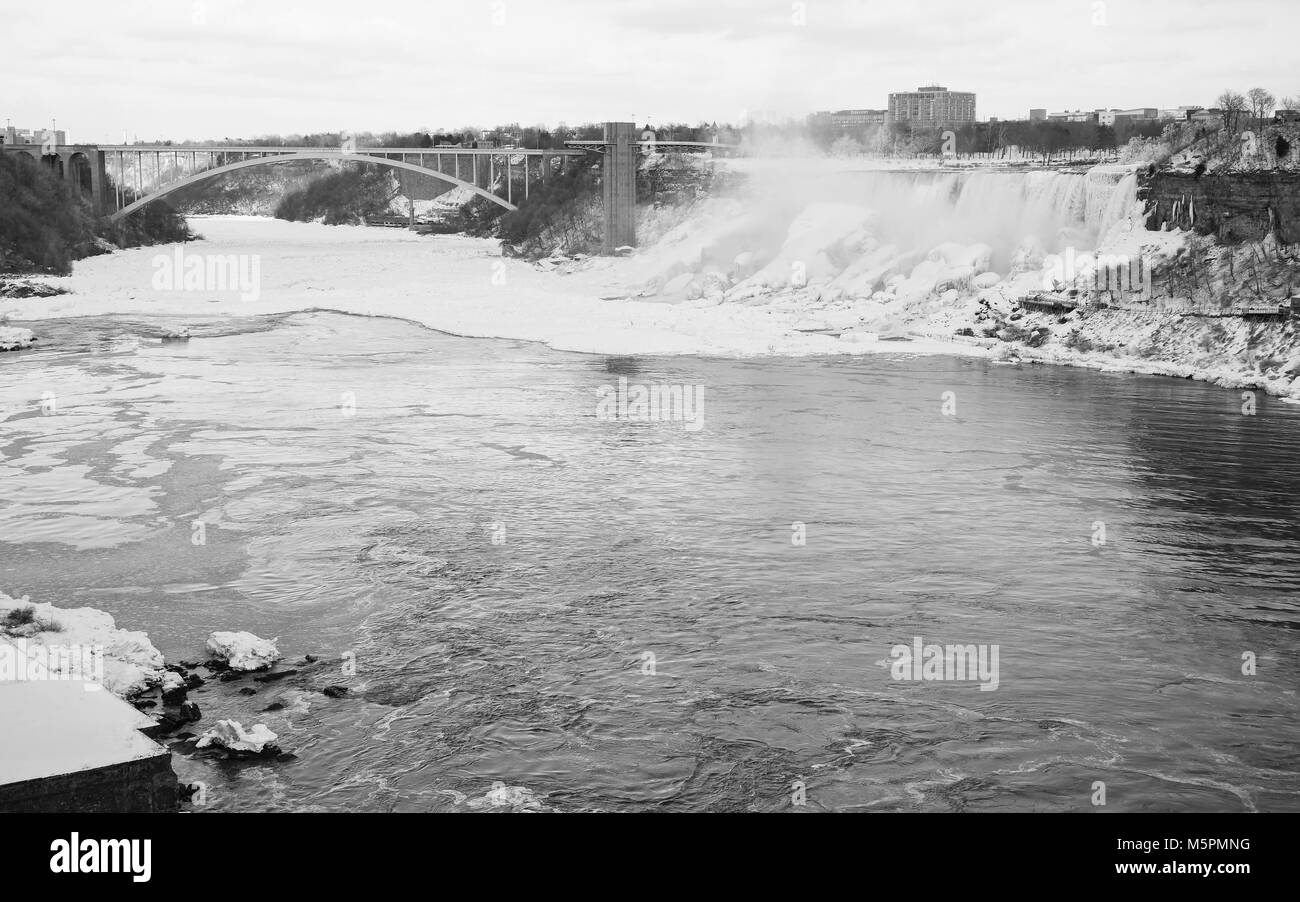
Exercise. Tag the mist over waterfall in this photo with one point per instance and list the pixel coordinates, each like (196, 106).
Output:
(884, 235)
(919, 210)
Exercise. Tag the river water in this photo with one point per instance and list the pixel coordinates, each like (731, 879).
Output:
(615, 614)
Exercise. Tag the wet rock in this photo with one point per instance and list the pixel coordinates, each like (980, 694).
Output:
(248, 690)
(174, 718)
(272, 677)
(336, 691)
(274, 706)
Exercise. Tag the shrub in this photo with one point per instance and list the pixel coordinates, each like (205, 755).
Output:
(559, 208)
(340, 198)
(155, 223)
(1077, 341)
(19, 617)
(43, 225)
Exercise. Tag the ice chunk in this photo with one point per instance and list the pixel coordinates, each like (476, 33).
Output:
(243, 651)
(231, 735)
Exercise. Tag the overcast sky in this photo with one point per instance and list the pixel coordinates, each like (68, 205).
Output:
(238, 68)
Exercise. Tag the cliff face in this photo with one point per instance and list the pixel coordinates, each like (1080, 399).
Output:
(1233, 206)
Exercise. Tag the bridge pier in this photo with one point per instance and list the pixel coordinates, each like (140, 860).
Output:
(618, 181)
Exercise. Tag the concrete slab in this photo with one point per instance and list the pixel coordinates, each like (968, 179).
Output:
(54, 727)
(66, 748)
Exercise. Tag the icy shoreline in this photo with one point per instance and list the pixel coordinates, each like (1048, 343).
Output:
(857, 296)
(453, 284)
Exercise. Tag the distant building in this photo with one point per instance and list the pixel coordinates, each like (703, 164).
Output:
(1181, 113)
(852, 118)
(932, 104)
(1212, 116)
(1286, 116)
(1037, 115)
(11, 135)
(1073, 116)
(858, 118)
(1111, 117)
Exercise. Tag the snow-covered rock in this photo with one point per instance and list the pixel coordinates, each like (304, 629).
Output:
(243, 651)
(231, 735)
(13, 338)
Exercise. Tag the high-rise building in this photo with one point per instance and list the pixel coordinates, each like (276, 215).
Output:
(932, 104)
(1038, 115)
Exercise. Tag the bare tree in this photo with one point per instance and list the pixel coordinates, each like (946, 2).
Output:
(1233, 105)
(1261, 103)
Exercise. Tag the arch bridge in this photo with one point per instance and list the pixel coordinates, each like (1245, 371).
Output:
(143, 173)
(122, 178)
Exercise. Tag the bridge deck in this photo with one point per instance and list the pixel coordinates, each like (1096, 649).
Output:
(214, 148)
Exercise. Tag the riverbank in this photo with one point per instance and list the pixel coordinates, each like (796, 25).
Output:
(683, 295)
(450, 283)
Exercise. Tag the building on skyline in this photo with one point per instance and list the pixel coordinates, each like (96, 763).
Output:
(11, 135)
(853, 118)
(1137, 114)
(1073, 116)
(932, 105)
(1038, 115)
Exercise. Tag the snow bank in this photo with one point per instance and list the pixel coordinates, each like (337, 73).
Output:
(243, 651)
(131, 662)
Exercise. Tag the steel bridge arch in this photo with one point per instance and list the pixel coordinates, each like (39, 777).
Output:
(323, 154)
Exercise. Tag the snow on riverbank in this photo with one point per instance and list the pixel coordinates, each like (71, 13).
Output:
(451, 283)
(131, 663)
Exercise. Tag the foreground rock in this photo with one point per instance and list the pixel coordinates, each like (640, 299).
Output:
(230, 736)
(28, 288)
(243, 651)
(14, 339)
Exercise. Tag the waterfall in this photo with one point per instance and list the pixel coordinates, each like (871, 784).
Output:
(1055, 209)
